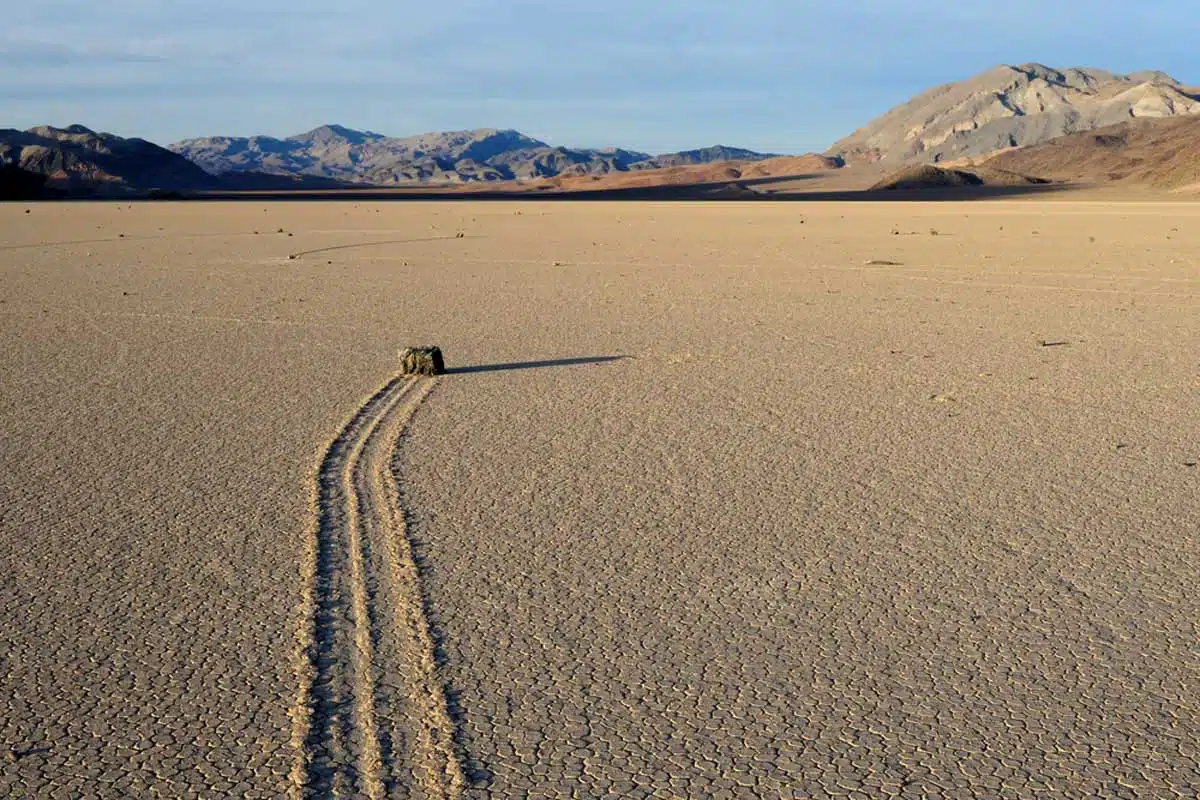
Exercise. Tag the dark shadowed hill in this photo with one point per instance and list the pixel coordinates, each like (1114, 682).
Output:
(20, 184)
(927, 176)
(79, 160)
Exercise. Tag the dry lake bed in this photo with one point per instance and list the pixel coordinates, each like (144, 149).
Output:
(779, 500)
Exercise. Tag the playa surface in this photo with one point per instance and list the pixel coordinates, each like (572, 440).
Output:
(731, 500)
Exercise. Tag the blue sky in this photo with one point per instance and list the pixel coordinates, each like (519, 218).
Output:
(766, 74)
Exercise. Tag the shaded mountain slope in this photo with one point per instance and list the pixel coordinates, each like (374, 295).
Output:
(1162, 154)
(77, 159)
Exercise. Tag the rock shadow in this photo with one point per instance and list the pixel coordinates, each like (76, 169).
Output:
(516, 365)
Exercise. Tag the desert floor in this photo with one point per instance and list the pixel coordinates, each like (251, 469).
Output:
(721, 500)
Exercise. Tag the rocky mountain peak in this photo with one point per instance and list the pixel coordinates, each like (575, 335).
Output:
(336, 135)
(1012, 106)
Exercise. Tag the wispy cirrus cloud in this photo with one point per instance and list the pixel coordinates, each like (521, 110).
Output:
(32, 52)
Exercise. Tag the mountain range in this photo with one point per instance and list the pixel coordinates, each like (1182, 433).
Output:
(1014, 115)
(481, 155)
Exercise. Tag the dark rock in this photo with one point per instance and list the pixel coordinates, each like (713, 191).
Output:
(422, 361)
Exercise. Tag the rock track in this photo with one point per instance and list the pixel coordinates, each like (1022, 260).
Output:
(371, 716)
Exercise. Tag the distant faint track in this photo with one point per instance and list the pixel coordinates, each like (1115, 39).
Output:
(372, 718)
(128, 239)
(357, 245)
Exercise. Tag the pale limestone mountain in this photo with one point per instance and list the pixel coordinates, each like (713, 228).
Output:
(1013, 106)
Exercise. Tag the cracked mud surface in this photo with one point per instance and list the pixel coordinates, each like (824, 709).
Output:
(832, 529)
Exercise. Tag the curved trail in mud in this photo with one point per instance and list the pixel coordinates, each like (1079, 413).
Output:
(372, 718)
(379, 243)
